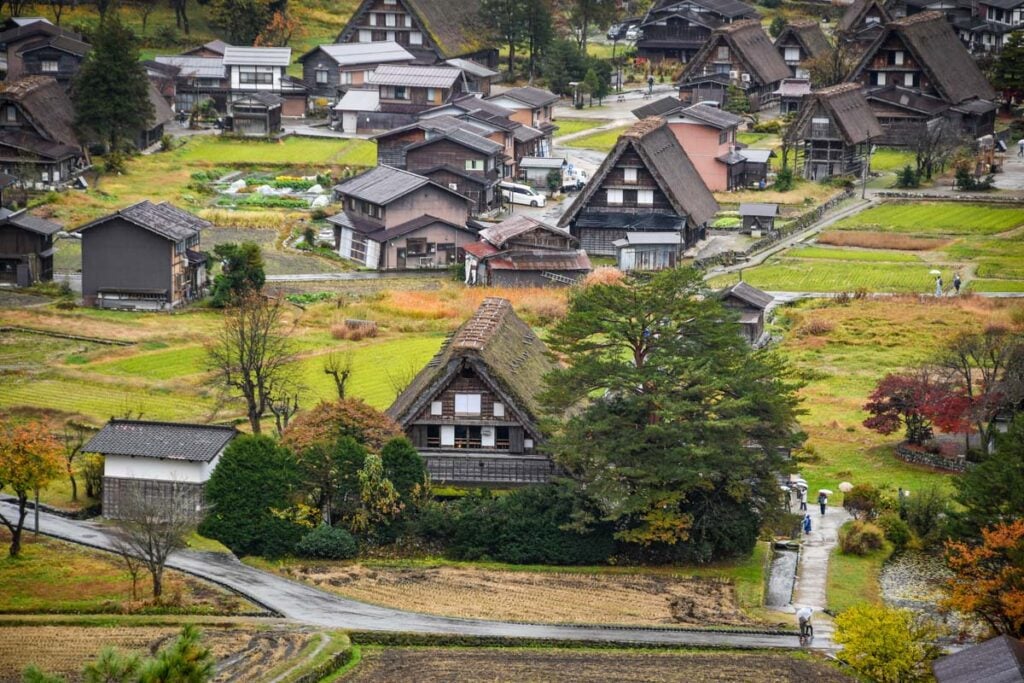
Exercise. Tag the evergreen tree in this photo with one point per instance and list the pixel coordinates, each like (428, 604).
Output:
(507, 19)
(666, 403)
(1008, 70)
(539, 32)
(241, 271)
(404, 467)
(241, 20)
(111, 91)
(591, 85)
(993, 490)
(736, 100)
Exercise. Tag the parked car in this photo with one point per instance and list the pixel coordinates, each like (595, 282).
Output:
(617, 31)
(515, 193)
(634, 33)
(574, 179)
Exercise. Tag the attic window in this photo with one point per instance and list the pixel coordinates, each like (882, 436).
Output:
(390, 2)
(436, 408)
(629, 175)
(723, 52)
(10, 114)
(415, 38)
(499, 409)
(50, 66)
(467, 404)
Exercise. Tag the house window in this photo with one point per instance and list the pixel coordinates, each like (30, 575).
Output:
(467, 437)
(390, 20)
(487, 437)
(820, 127)
(344, 78)
(415, 38)
(499, 409)
(390, 36)
(436, 408)
(255, 75)
(722, 53)
(373, 18)
(896, 57)
(11, 114)
(792, 54)
(321, 76)
(725, 136)
(447, 435)
(401, 93)
(879, 78)
(50, 66)
(614, 197)
(910, 80)
(629, 175)
(645, 197)
(416, 246)
(365, 36)
(390, 2)
(474, 164)
(45, 176)
(467, 404)
(431, 93)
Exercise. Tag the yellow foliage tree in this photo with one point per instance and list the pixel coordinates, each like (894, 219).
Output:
(885, 644)
(30, 457)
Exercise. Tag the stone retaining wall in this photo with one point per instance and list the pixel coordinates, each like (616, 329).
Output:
(970, 197)
(916, 457)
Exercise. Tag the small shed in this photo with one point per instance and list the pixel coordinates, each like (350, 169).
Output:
(755, 170)
(758, 218)
(157, 463)
(648, 250)
(997, 660)
(791, 93)
(354, 107)
(751, 304)
(256, 114)
(535, 170)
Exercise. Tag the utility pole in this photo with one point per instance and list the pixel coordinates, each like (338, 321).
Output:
(37, 512)
(867, 167)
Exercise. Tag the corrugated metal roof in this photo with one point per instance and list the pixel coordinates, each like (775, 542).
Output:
(415, 76)
(756, 156)
(381, 185)
(364, 53)
(194, 67)
(259, 56)
(471, 67)
(759, 209)
(189, 442)
(359, 100)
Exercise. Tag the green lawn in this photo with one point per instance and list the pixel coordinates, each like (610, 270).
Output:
(836, 254)
(822, 275)
(159, 365)
(996, 286)
(602, 141)
(292, 150)
(571, 126)
(891, 159)
(853, 579)
(753, 138)
(936, 218)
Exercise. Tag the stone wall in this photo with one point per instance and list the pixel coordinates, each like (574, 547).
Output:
(971, 197)
(940, 462)
(119, 493)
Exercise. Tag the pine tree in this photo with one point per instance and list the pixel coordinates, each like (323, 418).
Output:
(111, 92)
(1008, 70)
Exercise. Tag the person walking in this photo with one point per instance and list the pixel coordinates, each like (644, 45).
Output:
(938, 285)
(807, 524)
(802, 494)
(956, 283)
(650, 91)
(822, 501)
(1020, 147)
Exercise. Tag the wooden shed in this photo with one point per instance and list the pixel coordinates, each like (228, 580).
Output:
(255, 114)
(758, 219)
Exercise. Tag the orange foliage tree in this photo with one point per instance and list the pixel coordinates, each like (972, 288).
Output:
(989, 578)
(30, 457)
(332, 420)
(278, 32)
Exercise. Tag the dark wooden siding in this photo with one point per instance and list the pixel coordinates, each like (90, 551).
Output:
(68, 64)
(320, 60)
(118, 254)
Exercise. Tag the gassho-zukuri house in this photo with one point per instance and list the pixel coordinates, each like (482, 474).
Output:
(472, 413)
(157, 463)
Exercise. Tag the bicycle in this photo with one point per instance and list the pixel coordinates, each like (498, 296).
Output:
(806, 633)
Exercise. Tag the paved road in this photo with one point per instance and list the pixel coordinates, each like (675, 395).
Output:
(812, 575)
(312, 606)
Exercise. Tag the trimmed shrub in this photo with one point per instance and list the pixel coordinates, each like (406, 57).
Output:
(404, 467)
(327, 543)
(860, 538)
(896, 530)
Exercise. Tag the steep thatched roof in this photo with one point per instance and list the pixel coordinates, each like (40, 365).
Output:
(809, 35)
(853, 18)
(503, 352)
(949, 66)
(454, 27)
(751, 44)
(45, 103)
(848, 109)
(665, 159)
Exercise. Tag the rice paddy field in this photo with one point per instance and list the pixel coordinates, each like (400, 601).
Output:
(898, 248)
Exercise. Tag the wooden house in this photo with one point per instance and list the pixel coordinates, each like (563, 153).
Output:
(36, 47)
(677, 29)
(212, 50)
(433, 30)
(989, 25)
(157, 464)
(198, 79)
(648, 251)
(758, 218)
(740, 55)
(264, 70)
(357, 111)
(26, 248)
(645, 184)
(330, 70)
(997, 660)
(451, 152)
(533, 107)
(162, 115)
(791, 94)
(799, 42)
(255, 114)
(751, 305)
(917, 71)
(143, 257)
(473, 412)
(397, 220)
(38, 143)
(523, 252)
(862, 22)
(833, 132)
(413, 89)
(475, 76)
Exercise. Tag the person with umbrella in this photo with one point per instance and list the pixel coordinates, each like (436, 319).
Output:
(823, 495)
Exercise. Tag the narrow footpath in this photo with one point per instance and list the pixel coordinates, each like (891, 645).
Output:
(812, 572)
(310, 605)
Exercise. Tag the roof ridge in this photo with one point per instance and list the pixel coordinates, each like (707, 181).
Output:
(737, 26)
(644, 127)
(164, 423)
(919, 18)
(477, 332)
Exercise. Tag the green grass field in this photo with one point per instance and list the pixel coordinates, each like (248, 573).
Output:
(823, 275)
(292, 150)
(853, 579)
(887, 159)
(602, 141)
(936, 218)
(572, 126)
(871, 255)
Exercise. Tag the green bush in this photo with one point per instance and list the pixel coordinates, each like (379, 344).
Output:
(860, 538)
(773, 127)
(327, 543)
(863, 501)
(896, 530)
(925, 514)
(783, 180)
(908, 178)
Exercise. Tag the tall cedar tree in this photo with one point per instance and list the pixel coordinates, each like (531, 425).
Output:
(111, 91)
(539, 32)
(582, 15)
(993, 490)
(669, 411)
(507, 19)
(1008, 70)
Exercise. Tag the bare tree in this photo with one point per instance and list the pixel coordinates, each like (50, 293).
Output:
(144, 8)
(284, 403)
(151, 529)
(400, 377)
(181, 14)
(58, 7)
(17, 7)
(832, 67)
(339, 367)
(251, 353)
(132, 563)
(73, 438)
(934, 143)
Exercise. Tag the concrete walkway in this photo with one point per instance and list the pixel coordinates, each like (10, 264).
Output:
(812, 572)
(307, 604)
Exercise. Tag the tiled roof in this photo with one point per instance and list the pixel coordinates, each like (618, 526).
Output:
(259, 56)
(533, 97)
(163, 219)
(413, 225)
(415, 76)
(759, 209)
(29, 222)
(713, 116)
(384, 184)
(997, 660)
(194, 67)
(748, 295)
(363, 53)
(167, 440)
(666, 105)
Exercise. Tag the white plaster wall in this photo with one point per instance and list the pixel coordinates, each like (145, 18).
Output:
(127, 467)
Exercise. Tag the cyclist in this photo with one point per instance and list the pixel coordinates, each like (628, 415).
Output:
(804, 616)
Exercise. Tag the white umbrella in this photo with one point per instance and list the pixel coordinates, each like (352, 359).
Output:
(827, 492)
(845, 486)
(935, 272)
(784, 488)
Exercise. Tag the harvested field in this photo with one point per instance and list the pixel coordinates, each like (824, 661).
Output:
(880, 240)
(243, 654)
(436, 665)
(548, 597)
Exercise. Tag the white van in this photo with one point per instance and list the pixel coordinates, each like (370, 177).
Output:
(515, 193)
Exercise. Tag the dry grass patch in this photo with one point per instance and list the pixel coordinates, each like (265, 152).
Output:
(537, 305)
(880, 240)
(546, 597)
(243, 654)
